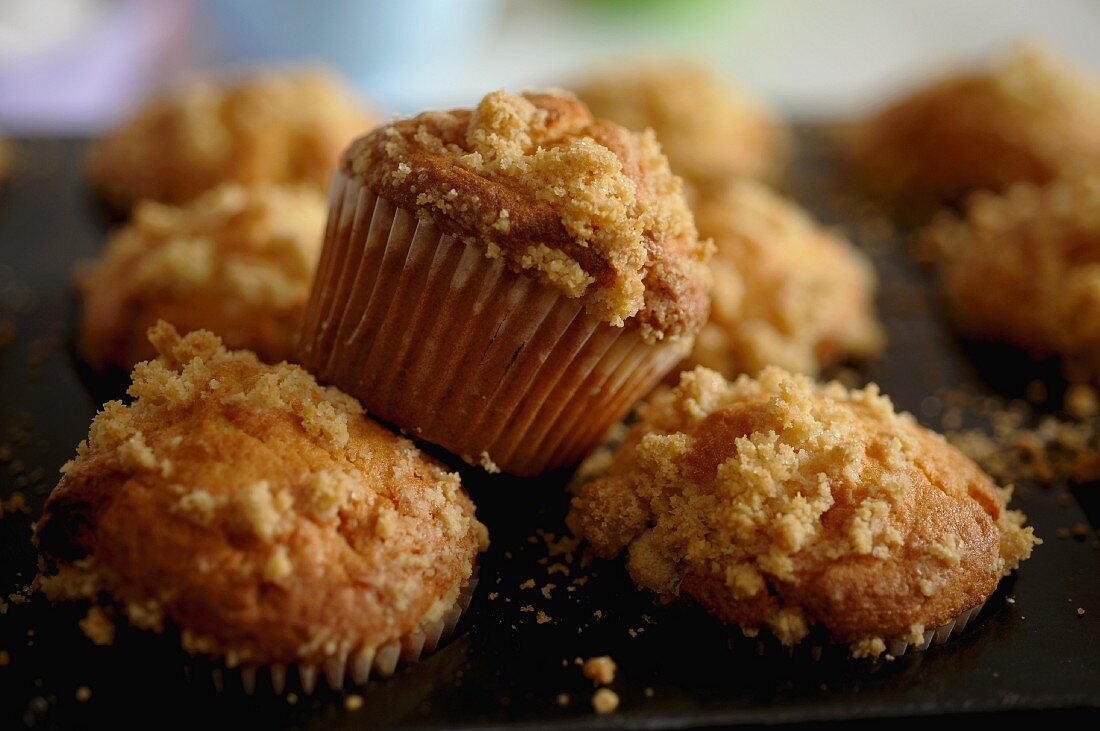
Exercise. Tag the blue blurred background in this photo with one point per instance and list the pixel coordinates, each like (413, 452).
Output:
(76, 66)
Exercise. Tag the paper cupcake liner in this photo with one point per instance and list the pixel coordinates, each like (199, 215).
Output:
(817, 645)
(357, 666)
(460, 351)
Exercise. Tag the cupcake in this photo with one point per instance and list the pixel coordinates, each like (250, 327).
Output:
(287, 127)
(261, 516)
(710, 129)
(1021, 268)
(1027, 119)
(235, 261)
(505, 281)
(786, 292)
(778, 503)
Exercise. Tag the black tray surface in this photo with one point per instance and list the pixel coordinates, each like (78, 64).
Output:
(1029, 651)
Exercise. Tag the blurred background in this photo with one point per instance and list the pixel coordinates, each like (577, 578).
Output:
(77, 66)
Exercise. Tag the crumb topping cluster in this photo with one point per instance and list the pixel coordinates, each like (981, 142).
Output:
(272, 127)
(786, 291)
(710, 129)
(238, 261)
(778, 502)
(582, 204)
(1029, 118)
(1024, 267)
(258, 511)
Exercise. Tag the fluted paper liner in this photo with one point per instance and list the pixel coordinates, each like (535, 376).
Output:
(358, 666)
(456, 349)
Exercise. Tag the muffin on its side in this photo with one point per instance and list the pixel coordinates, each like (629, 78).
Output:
(1028, 119)
(262, 516)
(1024, 268)
(505, 281)
(781, 503)
(236, 261)
(710, 129)
(787, 292)
(285, 127)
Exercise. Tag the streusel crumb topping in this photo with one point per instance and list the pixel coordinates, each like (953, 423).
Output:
(787, 291)
(1024, 267)
(710, 128)
(237, 261)
(259, 512)
(284, 128)
(584, 205)
(775, 501)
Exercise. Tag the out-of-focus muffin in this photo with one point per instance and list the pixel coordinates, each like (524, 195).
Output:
(269, 128)
(236, 261)
(786, 292)
(1023, 267)
(782, 503)
(261, 515)
(709, 128)
(1029, 118)
(505, 281)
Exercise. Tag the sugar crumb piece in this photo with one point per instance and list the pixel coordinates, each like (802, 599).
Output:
(600, 669)
(98, 627)
(1080, 611)
(546, 589)
(605, 700)
(488, 464)
(529, 584)
(542, 617)
(527, 608)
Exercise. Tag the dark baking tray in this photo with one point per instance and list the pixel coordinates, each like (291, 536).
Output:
(677, 667)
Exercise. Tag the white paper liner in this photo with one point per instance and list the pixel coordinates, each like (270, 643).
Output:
(356, 667)
(458, 350)
(767, 644)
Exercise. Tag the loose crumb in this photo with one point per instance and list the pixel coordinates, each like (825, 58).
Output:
(600, 669)
(542, 618)
(353, 702)
(1080, 611)
(563, 699)
(83, 693)
(605, 700)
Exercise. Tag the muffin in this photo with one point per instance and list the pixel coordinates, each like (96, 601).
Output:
(287, 127)
(710, 129)
(505, 281)
(236, 261)
(1027, 119)
(1023, 267)
(787, 291)
(775, 502)
(261, 516)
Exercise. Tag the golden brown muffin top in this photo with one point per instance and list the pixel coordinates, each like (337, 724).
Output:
(1030, 117)
(237, 261)
(1024, 267)
(787, 291)
(710, 129)
(275, 127)
(582, 204)
(778, 502)
(257, 511)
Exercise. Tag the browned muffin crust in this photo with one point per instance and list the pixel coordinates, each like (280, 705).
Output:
(272, 127)
(1029, 118)
(261, 514)
(775, 501)
(236, 261)
(710, 129)
(1023, 267)
(584, 205)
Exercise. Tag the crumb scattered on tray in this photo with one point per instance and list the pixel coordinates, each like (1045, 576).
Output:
(605, 700)
(600, 669)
